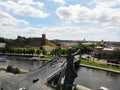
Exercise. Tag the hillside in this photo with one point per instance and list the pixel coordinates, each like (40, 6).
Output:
(49, 43)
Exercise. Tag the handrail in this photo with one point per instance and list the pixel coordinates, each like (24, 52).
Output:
(48, 62)
(77, 52)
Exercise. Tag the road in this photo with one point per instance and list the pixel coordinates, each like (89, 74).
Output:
(14, 82)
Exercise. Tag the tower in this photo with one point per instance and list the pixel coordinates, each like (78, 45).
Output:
(43, 39)
(43, 36)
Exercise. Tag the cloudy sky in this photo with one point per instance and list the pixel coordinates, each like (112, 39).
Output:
(61, 19)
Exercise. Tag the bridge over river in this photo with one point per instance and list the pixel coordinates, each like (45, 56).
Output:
(36, 79)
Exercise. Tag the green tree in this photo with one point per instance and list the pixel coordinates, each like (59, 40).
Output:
(64, 51)
(41, 48)
(3, 50)
(38, 52)
(16, 70)
(9, 68)
(44, 52)
(32, 51)
(53, 52)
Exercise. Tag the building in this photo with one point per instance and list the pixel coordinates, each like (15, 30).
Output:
(99, 49)
(20, 38)
(101, 52)
(43, 36)
(28, 42)
(108, 50)
(2, 45)
(49, 48)
(69, 43)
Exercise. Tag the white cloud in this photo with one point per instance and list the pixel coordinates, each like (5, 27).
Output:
(64, 13)
(30, 2)
(25, 8)
(30, 11)
(66, 33)
(107, 17)
(100, 15)
(59, 1)
(8, 5)
(52, 32)
(106, 3)
(8, 20)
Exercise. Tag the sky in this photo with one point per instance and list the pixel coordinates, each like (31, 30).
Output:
(61, 19)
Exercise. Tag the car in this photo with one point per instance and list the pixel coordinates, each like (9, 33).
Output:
(103, 88)
(23, 88)
(34, 58)
(35, 80)
(53, 66)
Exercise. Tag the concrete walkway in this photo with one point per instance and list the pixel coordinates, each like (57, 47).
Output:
(79, 87)
(100, 68)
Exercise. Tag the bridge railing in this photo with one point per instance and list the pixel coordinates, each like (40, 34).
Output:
(51, 61)
(48, 62)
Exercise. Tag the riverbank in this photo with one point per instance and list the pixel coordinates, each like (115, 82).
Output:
(4, 69)
(100, 66)
(27, 57)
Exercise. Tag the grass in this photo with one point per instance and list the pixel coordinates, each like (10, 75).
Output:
(4, 69)
(47, 42)
(60, 88)
(1, 68)
(99, 64)
(22, 72)
(48, 57)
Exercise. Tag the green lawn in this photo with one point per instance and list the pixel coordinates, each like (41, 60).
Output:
(1, 68)
(99, 64)
(48, 57)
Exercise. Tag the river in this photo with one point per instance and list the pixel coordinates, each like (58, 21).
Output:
(94, 79)
(22, 63)
(88, 77)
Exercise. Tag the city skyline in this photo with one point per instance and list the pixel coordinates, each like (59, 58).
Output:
(61, 19)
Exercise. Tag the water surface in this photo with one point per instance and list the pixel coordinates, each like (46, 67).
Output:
(94, 79)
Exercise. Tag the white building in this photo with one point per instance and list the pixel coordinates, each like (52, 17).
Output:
(69, 43)
(2, 45)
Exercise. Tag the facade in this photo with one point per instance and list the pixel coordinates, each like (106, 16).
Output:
(2, 45)
(108, 50)
(49, 48)
(43, 36)
(72, 43)
(100, 49)
(29, 42)
(103, 52)
(19, 38)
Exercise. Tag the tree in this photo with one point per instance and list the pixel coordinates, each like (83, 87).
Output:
(41, 47)
(44, 52)
(32, 51)
(16, 70)
(3, 50)
(64, 51)
(52, 52)
(38, 51)
(9, 68)
(24, 51)
(12, 70)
